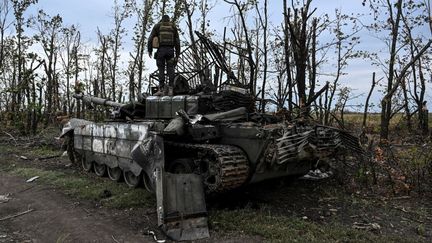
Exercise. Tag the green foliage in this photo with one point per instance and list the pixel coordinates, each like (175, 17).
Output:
(416, 164)
(276, 228)
(45, 151)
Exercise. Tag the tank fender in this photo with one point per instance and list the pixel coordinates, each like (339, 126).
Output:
(72, 124)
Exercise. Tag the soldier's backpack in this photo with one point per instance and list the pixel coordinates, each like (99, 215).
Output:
(166, 34)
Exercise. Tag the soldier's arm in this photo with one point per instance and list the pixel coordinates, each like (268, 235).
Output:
(150, 39)
(177, 42)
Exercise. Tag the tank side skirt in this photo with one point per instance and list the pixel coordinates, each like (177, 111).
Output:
(110, 144)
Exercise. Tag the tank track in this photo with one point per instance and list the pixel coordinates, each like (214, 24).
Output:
(228, 168)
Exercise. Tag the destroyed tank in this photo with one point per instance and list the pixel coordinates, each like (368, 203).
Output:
(213, 133)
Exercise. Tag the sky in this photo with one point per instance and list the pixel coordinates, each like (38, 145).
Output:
(92, 14)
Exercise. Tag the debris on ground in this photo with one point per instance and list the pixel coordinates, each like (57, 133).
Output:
(21, 157)
(366, 226)
(152, 233)
(32, 179)
(4, 198)
(317, 174)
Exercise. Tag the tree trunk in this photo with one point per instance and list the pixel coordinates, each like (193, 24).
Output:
(367, 100)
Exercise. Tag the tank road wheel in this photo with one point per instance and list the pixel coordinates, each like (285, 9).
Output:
(131, 179)
(86, 164)
(222, 167)
(100, 169)
(115, 174)
(181, 166)
(210, 170)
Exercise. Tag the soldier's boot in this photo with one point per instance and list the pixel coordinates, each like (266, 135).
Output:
(165, 90)
(160, 92)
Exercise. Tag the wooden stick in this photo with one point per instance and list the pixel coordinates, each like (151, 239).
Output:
(112, 236)
(16, 215)
(12, 137)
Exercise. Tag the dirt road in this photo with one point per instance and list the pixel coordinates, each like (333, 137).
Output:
(56, 218)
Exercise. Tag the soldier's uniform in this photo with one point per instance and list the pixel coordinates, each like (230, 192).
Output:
(168, 50)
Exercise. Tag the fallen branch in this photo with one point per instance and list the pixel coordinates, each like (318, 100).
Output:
(401, 198)
(414, 220)
(16, 215)
(24, 190)
(50, 157)
(12, 137)
(114, 239)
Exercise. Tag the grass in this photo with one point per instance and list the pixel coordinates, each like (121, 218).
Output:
(373, 121)
(277, 228)
(36, 152)
(8, 149)
(90, 188)
(45, 151)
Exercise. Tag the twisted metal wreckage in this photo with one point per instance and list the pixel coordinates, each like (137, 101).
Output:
(201, 141)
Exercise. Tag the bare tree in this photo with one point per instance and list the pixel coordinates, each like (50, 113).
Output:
(394, 77)
(374, 82)
(143, 12)
(287, 54)
(300, 43)
(115, 42)
(344, 44)
(19, 7)
(69, 58)
(48, 36)
(241, 8)
(264, 24)
(417, 72)
(5, 9)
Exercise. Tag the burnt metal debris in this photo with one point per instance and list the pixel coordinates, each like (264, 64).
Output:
(203, 140)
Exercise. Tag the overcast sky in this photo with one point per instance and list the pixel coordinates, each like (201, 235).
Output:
(91, 14)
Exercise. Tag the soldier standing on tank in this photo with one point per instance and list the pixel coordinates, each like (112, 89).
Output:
(168, 42)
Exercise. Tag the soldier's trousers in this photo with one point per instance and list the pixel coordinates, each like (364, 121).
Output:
(165, 58)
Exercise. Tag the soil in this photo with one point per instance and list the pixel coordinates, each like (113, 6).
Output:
(57, 217)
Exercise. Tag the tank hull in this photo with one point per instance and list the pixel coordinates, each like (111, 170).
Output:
(258, 152)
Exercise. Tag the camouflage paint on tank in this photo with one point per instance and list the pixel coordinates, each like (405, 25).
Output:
(111, 143)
